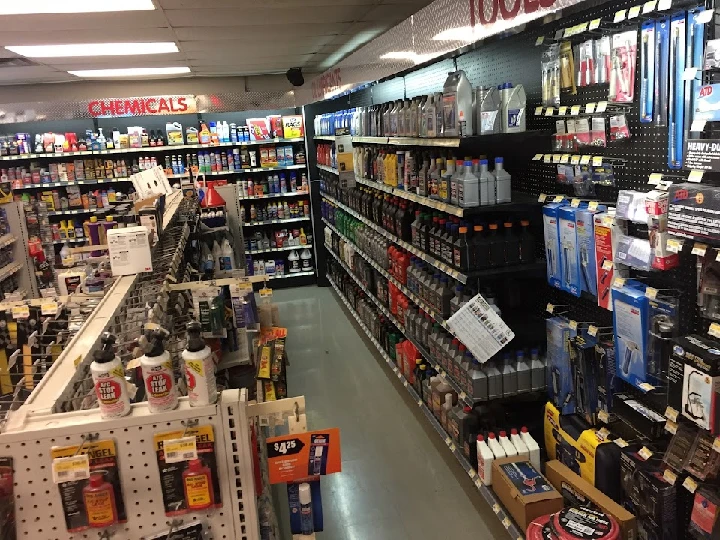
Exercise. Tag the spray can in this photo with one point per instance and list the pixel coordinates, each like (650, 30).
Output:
(307, 525)
(157, 371)
(108, 376)
(199, 368)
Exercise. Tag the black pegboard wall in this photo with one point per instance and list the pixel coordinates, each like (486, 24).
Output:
(428, 80)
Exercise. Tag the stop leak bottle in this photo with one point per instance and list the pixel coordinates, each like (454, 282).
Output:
(157, 371)
(108, 376)
(199, 368)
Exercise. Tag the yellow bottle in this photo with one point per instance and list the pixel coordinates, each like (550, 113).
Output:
(70, 230)
(204, 134)
(62, 230)
(303, 237)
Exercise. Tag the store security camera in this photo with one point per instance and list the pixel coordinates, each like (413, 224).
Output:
(295, 76)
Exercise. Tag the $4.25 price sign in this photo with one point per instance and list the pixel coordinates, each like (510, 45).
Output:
(295, 457)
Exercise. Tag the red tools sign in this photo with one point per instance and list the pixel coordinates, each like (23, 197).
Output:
(486, 11)
(142, 106)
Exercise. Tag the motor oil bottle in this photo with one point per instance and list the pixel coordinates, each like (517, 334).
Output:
(457, 105)
(157, 371)
(497, 246)
(108, 376)
(487, 103)
(537, 371)
(527, 243)
(478, 382)
(495, 446)
(445, 178)
(512, 245)
(199, 368)
(524, 374)
(520, 446)
(502, 183)
(446, 411)
(509, 376)
(513, 108)
(485, 458)
(532, 446)
(468, 187)
(431, 116)
(508, 447)
(494, 379)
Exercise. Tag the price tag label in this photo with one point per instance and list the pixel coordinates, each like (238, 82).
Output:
(549, 308)
(265, 292)
(478, 483)
(621, 443)
(649, 7)
(542, 197)
(698, 125)
(594, 24)
(539, 41)
(601, 106)
(664, 4)
(537, 157)
(716, 444)
(72, 468)
(21, 312)
(714, 330)
(547, 158)
(603, 417)
(506, 522)
(575, 110)
(452, 447)
(185, 449)
(79, 359)
(651, 293)
(581, 27)
(689, 73)
(645, 453)
(559, 198)
(699, 249)
(705, 17)
(671, 414)
(671, 427)
(538, 111)
(620, 15)
(674, 246)
(592, 330)
(559, 33)
(597, 161)
(590, 108)
(619, 282)
(49, 308)
(462, 396)
(562, 111)
(695, 176)
(575, 160)
(565, 158)
(670, 476)
(633, 12)
(607, 265)
(448, 441)
(603, 433)
(573, 325)
(420, 403)
(585, 160)
(472, 474)
(646, 387)
(575, 203)
(690, 484)
(496, 508)
(549, 111)
(654, 178)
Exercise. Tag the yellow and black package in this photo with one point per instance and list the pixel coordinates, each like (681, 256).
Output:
(583, 449)
(269, 391)
(174, 473)
(278, 362)
(264, 360)
(94, 501)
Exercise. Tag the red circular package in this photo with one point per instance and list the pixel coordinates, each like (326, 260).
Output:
(540, 529)
(584, 524)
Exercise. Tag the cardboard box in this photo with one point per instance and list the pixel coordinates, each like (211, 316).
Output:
(525, 493)
(577, 491)
(129, 250)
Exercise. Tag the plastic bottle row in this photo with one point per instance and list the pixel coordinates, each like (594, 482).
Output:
(465, 183)
(71, 198)
(236, 159)
(274, 184)
(457, 243)
(277, 239)
(297, 261)
(73, 171)
(274, 210)
(459, 110)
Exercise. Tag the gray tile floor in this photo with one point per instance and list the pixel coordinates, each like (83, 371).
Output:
(399, 481)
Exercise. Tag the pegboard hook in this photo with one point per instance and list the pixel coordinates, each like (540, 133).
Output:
(90, 437)
(106, 535)
(174, 524)
(297, 412)
(193, 422)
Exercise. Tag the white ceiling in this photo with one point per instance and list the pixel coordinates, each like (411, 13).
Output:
(215, 37)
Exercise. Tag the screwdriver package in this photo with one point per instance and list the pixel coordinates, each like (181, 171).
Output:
(647, 71)
(676, 96)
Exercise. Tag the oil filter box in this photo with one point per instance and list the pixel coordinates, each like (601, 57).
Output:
(525, 493)
(578, 492)
(694, 380)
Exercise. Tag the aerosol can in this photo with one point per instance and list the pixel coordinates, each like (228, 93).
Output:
(457, 105)
(199, 368)
(108, 376)
(157, 372)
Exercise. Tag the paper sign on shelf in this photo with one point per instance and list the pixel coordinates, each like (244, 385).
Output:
(297, 456)
(66, 469)
(480, 328)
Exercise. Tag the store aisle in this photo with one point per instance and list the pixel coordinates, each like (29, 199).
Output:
(399, 481)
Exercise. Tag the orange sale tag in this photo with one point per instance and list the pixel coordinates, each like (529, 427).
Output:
(294, 457)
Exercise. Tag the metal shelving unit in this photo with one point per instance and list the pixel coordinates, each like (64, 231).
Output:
(75, 183)
(328, 169)
(484, 490)
(275, 221)
(274, 250)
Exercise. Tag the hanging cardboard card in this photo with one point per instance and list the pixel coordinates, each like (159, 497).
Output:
(295, 457)
(480, 328)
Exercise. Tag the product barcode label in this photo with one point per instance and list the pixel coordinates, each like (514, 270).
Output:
(593, 330)
(649, 7)
(651, 293)
(670, 476)
(562, 111)
(645, 453)
(654, 178)
(671, 427)
(634, 11)
(673, 245)
(575, 110)
(183, 449)
(71, 468)
(690, 484)
(538, 111)
(594, 24)
(671, 414)
(699, 249)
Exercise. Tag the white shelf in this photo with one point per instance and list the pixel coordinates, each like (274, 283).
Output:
(9, 270)
(275, 221)
(328, 169)
(276, 195)
(7, 239)
(75, 183)
(274, 250)
(449, 142)
(287, 276)
(324, 137)
(74, 212)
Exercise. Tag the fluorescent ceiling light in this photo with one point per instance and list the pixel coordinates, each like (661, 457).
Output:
(462, 33)
(27, 7)
(129, 72)
(92, 49)
(411, 56)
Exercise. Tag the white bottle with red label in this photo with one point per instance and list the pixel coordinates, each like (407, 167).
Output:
(108, 376)
(199, 368)
(485, 459)
(158, 375)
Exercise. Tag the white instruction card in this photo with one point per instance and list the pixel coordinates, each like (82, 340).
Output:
(480, 328)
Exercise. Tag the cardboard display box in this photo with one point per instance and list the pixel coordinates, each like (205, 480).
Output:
(525, 493)
(578, 492)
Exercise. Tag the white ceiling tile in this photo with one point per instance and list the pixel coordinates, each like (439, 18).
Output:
(84, 21)
(259, 31)
(172, 59)
(238, 4)
(95, 35)
(261, 15)
(249, 47)
(290, 59)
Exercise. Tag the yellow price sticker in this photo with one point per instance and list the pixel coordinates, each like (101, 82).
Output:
(651, 293)
(695, 176)
(634, 12)
(585, 160)
(646, 387)
(549, 308)
(619, 282)
(670, 476)
(592, 205)
(49, 308)
(592, 330)
(575, 160)
(714, 330)
(622, 443)
(542, 197)
(182, 449)
(549, 111)
(699, 249)
(654, 178)
(603, 417)
(71, 468)
(594, 24)
(620, 15)
(573, 325)
(547, 158)
(597, 161)
(649, 7)
(556, 158)
(21, 312)
(716, 444)
(562, 111)
(559, 198)
(575, 110)
(607, 265)
(671, 414)
(601, 106)
(690, 484)
(537, 157)
(538, 111)
(575, 203)
(673, 245)
(671, 427)
(539, 41)
(590, 108)
(564, 158)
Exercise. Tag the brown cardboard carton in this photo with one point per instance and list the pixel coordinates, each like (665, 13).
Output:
(578, 491)
(525, 493)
